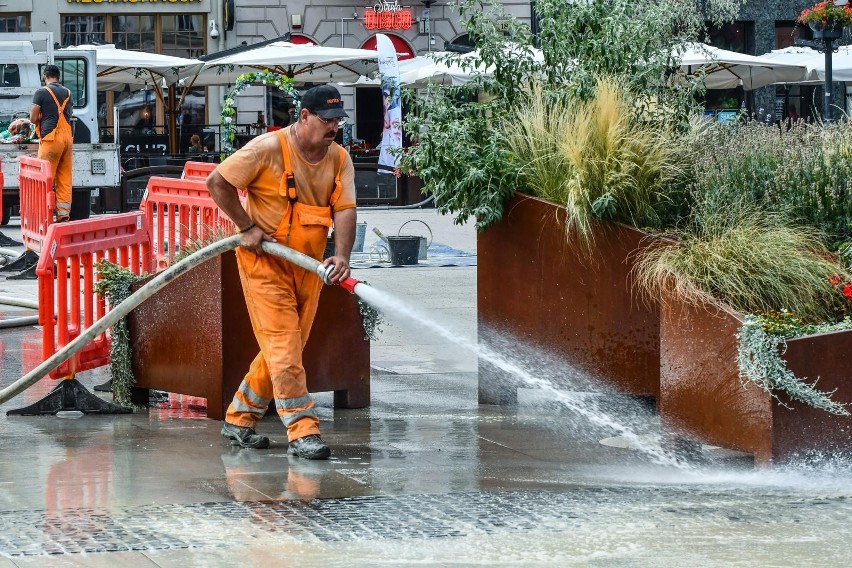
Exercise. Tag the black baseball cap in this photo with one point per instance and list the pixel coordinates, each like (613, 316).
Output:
(324, 101)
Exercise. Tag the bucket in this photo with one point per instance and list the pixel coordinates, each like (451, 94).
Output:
(424, 242)
(404, 249)
(360, 233)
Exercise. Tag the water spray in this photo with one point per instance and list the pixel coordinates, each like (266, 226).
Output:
(146, 291)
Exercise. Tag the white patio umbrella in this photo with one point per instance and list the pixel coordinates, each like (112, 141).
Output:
(302, 62)
(814, 62)
(120, 68)
(728, 69)
(440, 67)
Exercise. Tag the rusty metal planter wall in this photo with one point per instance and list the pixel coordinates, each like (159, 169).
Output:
(702, 396)
(194, 337)
(535, 286)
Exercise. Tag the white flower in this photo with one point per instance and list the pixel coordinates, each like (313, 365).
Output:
(227, 120)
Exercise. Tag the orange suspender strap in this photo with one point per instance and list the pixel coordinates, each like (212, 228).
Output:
(288, 183)
(61, 108)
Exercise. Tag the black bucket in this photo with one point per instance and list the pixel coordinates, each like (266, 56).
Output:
(404, 249)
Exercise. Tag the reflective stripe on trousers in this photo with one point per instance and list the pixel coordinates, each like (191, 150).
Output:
(282, 301)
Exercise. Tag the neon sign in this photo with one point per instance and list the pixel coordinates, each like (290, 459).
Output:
(388, 15)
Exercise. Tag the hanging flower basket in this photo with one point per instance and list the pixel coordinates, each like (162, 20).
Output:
(832, 30)
(826, 19)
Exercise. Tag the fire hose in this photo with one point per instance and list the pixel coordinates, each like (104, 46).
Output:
(121, 310)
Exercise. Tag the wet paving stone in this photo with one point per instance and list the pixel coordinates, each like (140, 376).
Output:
(389, 518)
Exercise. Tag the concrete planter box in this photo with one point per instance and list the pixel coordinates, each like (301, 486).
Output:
(194, 337)
(703, 398)
(533, 285)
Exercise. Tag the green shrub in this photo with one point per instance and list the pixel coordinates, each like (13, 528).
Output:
(804, 172)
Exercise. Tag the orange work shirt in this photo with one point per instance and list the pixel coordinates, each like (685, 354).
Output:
(258, 166)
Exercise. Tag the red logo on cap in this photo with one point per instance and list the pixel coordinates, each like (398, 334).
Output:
(332, 101)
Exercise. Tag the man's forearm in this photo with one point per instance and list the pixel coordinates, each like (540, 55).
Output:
(225, 196)
(344, 232)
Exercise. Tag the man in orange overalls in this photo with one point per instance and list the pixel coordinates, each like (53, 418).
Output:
(51, 112)
(299, 181)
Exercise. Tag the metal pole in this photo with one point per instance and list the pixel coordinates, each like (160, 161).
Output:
(826, 103)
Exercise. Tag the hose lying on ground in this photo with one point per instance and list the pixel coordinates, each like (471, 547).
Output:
(19, 303)
(145, 292)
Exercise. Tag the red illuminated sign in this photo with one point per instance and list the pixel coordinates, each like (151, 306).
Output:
(388, 15)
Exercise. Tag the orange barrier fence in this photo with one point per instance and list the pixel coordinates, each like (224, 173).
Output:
(179, 211)
(67, 273)
(37, 201)
(201, 171)
(198, 170)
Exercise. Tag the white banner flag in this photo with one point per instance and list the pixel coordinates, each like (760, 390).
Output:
(391, 102)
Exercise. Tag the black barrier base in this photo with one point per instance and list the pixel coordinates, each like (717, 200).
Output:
(70, 395)
(105, 387)
(29, 273)
(28, 259)
(9, 242)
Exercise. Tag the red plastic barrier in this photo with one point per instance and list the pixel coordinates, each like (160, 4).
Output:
(201, 171)
(67, 273)
(37, 201)
(179, 211)
(197, 170)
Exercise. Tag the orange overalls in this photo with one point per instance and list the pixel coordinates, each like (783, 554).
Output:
(282, 301)
(55, 147)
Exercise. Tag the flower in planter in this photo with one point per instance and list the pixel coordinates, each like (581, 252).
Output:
(827, 14)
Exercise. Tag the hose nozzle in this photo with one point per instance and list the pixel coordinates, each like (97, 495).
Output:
(349, 284)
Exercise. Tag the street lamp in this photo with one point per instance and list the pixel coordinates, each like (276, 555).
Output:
(824, 39)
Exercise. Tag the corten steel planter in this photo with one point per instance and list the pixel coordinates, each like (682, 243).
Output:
(703, 398)
(194, 337)
(535, 286)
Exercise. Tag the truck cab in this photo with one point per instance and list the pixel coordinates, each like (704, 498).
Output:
(95, 164)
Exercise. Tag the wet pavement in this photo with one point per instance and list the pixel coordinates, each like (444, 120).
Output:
(424, 476)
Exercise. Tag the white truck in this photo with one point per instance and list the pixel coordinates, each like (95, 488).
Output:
(95, 164)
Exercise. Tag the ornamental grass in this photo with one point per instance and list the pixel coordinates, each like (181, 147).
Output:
(745, 257)
(595, 158)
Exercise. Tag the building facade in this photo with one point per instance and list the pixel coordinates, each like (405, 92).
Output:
(190, 28)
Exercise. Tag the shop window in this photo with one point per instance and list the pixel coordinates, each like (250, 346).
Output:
(183, 35)
(191, 117)
(16, 23)
(134, 32)
(736, 36)
(786, 34)
(83, 30)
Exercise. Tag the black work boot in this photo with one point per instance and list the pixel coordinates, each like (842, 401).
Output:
(244, 436)
(310, 448)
